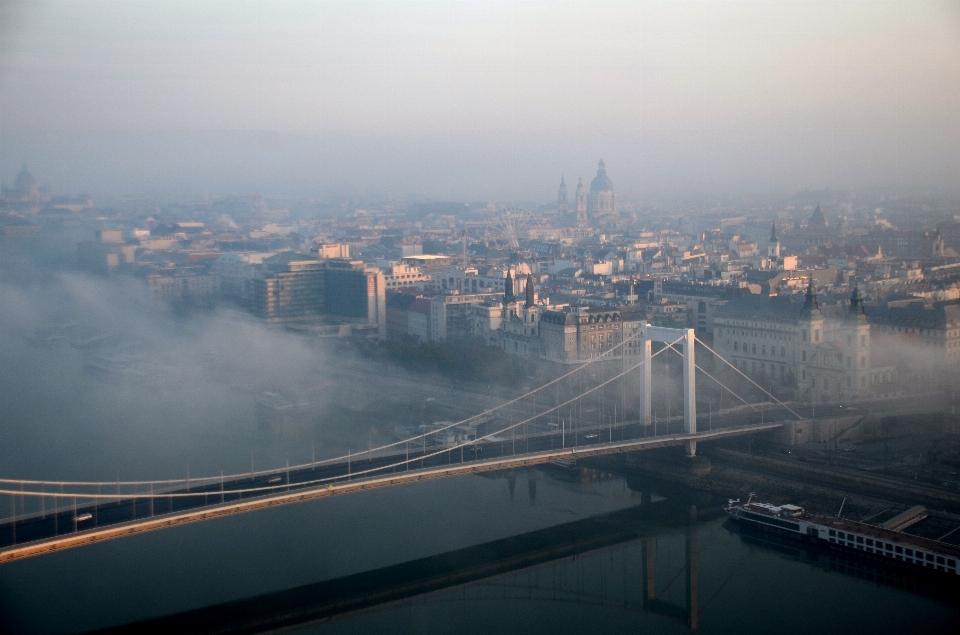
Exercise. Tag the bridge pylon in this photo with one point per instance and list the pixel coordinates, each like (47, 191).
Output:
(686, 338)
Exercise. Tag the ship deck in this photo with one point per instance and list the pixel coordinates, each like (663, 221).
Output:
(886, 535)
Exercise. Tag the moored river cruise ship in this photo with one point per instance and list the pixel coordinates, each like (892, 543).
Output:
(885, 542)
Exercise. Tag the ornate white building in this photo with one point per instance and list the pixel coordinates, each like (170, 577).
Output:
(823, 360)
(520, 323)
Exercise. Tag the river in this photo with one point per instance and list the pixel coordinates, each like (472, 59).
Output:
(663, 560)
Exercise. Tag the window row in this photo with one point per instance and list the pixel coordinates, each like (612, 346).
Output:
(853, 540)
(737, 347)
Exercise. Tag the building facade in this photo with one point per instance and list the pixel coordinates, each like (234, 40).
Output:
(577, 334)
(933, 329)
(520, 321)
(199, 288)
(297, 289)
(356, 292)
(453, 317)
(400, 274)
(780, 344)
(288, 291)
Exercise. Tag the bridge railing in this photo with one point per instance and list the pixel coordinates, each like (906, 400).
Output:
(174, 488)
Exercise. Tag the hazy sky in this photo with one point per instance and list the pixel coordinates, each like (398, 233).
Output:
(480, 99)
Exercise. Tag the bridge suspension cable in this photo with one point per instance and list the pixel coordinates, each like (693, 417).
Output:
(328, 479)
(604, 356)
(728, 389)
(747, 377)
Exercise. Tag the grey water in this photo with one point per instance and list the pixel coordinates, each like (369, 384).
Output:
(737, 585)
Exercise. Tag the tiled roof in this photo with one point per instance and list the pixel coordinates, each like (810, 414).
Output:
(756, 306)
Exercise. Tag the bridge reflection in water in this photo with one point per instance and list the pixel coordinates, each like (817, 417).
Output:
(672, 560)
(654, 603)
(641, 560)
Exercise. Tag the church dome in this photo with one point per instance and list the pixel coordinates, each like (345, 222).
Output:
(24, 180)
(817, 220)
(601, 182)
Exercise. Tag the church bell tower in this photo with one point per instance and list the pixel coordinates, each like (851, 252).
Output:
(773, 250)
(562, 205)
(581, 204)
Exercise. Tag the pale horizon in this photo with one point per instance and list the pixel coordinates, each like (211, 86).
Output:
(481, 100)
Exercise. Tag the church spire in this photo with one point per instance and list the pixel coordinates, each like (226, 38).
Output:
(508, 296)
(811, 309)
(529, 303)
(856, 306)
(773, 249)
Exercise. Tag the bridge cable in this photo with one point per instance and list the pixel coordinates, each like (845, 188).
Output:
(211, 479)
(748, 379)
(329, 479)
(700, 368)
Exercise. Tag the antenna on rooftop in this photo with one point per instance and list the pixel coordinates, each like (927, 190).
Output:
(464, 254)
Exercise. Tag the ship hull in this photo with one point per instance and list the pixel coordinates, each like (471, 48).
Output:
(858, 540)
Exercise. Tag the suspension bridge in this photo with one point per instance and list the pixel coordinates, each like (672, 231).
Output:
(49, 516)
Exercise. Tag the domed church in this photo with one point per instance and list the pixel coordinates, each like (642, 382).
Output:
(25, 190)
(601, 200)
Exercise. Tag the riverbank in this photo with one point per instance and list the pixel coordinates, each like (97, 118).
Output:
(733, 474)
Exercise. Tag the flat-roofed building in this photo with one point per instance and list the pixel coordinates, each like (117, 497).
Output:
(184, 285)
(289, 289)
(356, 292)
(485, 320)
(452, 316)
(294, 288)
(400, 274)
(333, 250)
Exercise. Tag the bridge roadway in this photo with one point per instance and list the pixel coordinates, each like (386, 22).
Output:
(35, 534)
(38, 534)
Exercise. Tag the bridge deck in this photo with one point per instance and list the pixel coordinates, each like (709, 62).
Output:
(218, 510)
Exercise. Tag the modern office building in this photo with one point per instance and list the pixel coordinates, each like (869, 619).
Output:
(356, 293)
(288, 290)
(294, 288)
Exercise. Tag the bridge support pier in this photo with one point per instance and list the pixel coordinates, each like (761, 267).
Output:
(689, 390)
(647, 395)
(686, 339)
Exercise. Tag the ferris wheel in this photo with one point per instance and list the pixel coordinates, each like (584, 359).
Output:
(509, 224)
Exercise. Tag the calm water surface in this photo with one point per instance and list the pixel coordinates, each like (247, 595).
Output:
(678, 575)
(737, 588)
